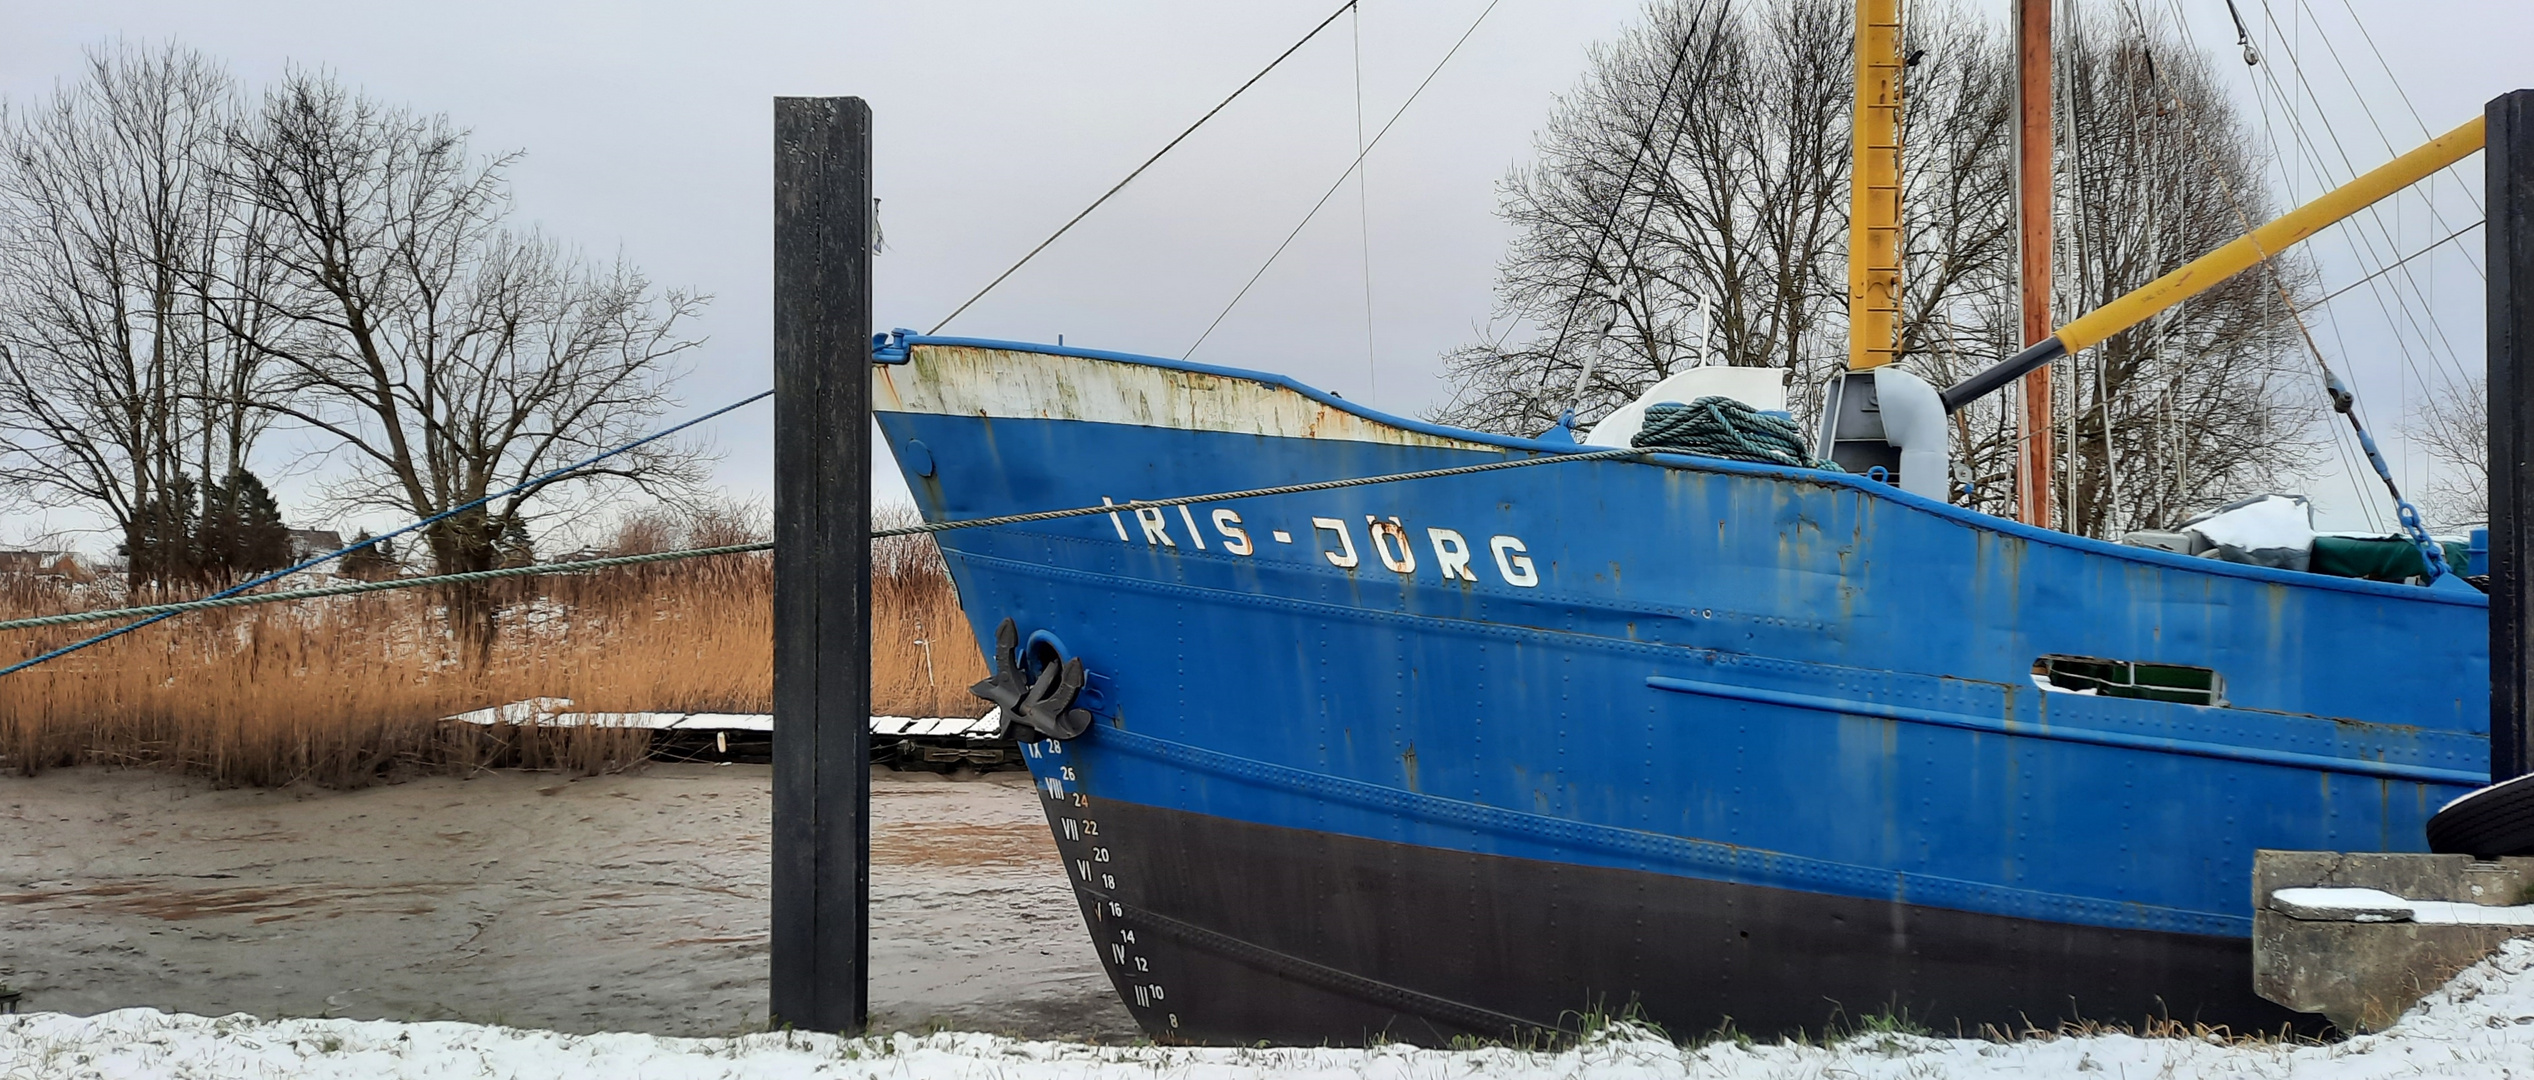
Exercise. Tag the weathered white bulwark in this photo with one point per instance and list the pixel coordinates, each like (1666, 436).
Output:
(966, 380)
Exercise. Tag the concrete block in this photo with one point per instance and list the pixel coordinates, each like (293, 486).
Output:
(2352, 963)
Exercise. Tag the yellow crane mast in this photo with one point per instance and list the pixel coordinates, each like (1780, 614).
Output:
(1874, 190)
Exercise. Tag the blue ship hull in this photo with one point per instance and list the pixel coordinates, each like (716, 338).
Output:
(1730, 743)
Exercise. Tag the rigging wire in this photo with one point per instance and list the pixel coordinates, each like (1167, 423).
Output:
(2149, 141)
(1651, 455)
(2243, 36)
(2359, 236)
(1364, 219)
(2353, 450)
(1619, 201)
(2369, 110)
(2442, 242)
(2406, 290)
(2406, 287)
(1662, 173)
(2345, 402)
(2063, 125)
(1351, 167)
(2470, 195)
(2340, 439)
(2375, 215)
(1349, 5)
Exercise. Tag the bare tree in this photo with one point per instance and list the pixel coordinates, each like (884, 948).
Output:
(2453, 427)
(117, 374)
(1725, 203)
(1722, 191)
(451, 356)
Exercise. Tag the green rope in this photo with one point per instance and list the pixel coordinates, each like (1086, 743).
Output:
(1130, 506)
(244, 600)
(1719, 426)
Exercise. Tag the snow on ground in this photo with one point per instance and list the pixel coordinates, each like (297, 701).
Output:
(551, 712)
(2479, 1026)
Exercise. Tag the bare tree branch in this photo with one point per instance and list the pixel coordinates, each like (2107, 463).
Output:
(2206, 402)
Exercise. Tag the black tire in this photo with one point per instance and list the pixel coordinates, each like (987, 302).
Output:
(2490, 823)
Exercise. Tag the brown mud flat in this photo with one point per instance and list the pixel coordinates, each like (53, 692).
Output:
(626, 902)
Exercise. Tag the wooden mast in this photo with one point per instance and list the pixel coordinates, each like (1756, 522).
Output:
(1874, 190)
(2032, 204)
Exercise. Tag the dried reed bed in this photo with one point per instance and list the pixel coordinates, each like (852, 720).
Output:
(350, 690)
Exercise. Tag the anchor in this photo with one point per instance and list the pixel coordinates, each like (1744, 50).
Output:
(1044, 705)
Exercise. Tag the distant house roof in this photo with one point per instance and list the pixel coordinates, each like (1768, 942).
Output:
(43, 564)
(306, 542)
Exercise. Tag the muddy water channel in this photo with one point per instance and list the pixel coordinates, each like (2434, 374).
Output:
(634, 902)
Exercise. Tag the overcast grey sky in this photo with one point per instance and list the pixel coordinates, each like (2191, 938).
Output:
(646, 130)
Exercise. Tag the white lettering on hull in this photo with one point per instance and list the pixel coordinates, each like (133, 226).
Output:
(1390, 543)
(1191, 522)
(1344, 557)
(1455, 558)
(1451, 552)
(1235, 540)
(1515, 567)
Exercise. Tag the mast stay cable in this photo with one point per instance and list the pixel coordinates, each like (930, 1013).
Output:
(1341, 179)
(2408, 293)
(1364, 221)
(1349, 5)
(2344, 444)
(2359, 236)
(531, 486)
(1112, 509)
(2340, 441)
(2342, 400)
(1662, 173)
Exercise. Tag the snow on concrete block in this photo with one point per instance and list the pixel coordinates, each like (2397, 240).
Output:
(2341, 905)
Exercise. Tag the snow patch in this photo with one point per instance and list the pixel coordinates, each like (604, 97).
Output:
(2375, 905)
(553, 712)
(2478, 1027)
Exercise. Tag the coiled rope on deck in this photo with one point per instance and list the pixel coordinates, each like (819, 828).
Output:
(1719, 426)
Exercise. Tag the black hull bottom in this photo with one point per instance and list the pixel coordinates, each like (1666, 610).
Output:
(1219, 931)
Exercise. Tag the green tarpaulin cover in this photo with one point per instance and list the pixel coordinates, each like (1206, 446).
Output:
(2380, 558)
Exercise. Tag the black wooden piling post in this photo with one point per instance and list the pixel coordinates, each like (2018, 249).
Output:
(822, 563)
(2508, 164)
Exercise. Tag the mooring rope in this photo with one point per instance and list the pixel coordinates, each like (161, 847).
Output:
(532, 484)
(1255, 493)
(1719, 426)
(231, 599)
(381, 586)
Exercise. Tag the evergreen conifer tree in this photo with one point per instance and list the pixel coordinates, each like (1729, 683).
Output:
(511, 547)
(161, 544)
(242, 531)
